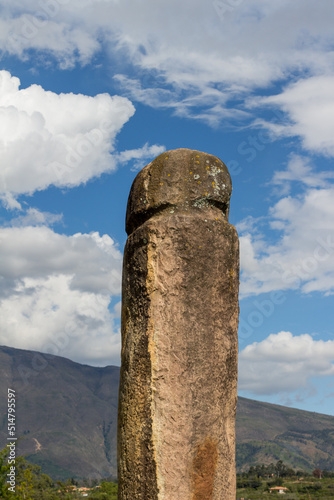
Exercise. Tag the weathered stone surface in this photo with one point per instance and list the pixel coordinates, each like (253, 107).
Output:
(178, 388)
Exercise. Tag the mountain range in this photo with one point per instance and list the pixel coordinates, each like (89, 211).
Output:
(66, 420)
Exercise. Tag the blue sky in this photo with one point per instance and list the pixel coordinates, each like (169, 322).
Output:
(91, 91)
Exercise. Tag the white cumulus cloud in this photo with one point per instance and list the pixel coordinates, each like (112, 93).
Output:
(54, 139)
(140, 155)
(55, 292)
(34, 217)
(296, 250)
(309, 106)
(284, 363)
(198, 59)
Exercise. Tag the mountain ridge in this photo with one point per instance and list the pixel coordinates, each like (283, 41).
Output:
(67, 420)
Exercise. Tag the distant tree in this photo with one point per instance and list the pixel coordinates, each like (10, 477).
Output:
(271, 469)
(108, 491)
(252, 471)
(25, 486)
(30, 482)
(249, 483)
(290, 472)
(326, 473)
(263, 471)
(280, 469)
(4, 469)
(73, 481)
(317, 473)
(253, 483)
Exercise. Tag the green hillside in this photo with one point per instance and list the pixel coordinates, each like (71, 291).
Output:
(66, 413)
(267, 433)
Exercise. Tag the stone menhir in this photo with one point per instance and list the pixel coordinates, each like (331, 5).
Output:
(178, 388)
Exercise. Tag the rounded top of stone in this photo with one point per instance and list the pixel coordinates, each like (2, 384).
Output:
(182, 179)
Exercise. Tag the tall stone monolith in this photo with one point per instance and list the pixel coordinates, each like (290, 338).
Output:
(178, 388)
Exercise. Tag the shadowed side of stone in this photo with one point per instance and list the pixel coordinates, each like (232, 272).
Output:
(178, 384)
(135, 442)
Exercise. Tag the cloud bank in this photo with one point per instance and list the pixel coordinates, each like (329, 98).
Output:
(55, 289)
(293, 246)
(284, 363)
(200, 60)
(50, 139)
(309, 106)
(55, 293)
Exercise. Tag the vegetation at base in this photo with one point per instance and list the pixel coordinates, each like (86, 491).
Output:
(32, 484)
(257, 483)
(263, 481)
